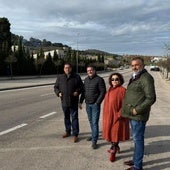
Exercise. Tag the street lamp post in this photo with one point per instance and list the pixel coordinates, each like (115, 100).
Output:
(77, 55)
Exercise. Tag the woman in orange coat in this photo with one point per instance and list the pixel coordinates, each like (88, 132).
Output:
(115, 127)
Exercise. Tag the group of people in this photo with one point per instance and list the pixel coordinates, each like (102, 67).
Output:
(121, 107)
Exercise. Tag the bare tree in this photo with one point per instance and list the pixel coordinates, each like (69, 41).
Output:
(167, 63)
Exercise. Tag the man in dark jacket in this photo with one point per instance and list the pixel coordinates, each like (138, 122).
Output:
(94, 92)
(140, 96)
(68, 86)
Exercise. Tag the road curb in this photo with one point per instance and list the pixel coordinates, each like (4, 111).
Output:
(24, 87)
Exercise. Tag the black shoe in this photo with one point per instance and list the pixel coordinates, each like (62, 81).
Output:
(89, 139)
(94, 145)
(129, 163)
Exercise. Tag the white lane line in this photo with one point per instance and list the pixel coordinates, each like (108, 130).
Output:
(47, 94)
(49, 114)
(12, 129)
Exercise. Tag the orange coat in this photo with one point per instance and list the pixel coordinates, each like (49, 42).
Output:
(115, 128)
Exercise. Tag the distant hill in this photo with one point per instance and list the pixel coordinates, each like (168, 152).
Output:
(34, 44)
(95, 51)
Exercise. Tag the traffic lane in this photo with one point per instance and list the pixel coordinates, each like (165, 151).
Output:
(27, 113)
(27, 105)
(11, 98)
(21, 106)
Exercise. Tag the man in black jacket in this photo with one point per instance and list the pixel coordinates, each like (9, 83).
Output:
(68, 86)
(93, 93)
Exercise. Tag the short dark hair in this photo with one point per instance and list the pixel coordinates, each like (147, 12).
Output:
(121, 79)
(68, 64)
(92, 66)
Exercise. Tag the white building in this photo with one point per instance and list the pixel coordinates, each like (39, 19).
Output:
(60, 53)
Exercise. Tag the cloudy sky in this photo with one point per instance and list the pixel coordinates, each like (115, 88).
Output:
(115, 26)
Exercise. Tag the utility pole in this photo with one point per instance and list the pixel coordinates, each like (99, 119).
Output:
(77, 55)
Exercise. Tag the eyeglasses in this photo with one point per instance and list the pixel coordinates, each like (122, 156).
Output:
(114, 79)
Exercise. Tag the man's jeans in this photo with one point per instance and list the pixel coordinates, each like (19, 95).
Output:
(73, 121)
(138, 130)
(93, 113)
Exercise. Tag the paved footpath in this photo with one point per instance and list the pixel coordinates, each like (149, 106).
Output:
(62, 154)
(22, 82)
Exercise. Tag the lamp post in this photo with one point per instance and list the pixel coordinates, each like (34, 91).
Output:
(77, 55)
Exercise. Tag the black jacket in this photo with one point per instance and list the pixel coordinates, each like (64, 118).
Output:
(67, 86)
(94, 90)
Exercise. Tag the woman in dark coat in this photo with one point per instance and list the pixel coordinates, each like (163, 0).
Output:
(115, 127)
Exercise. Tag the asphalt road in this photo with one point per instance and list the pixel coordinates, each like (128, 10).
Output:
(26, 105)
(31, 126)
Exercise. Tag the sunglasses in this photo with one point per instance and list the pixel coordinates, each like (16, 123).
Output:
(116, 79)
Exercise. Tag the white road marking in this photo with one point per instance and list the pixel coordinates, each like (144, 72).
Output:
(47, 94)
(41, 148)
(49, 114)
(12, 129)
(24, 124)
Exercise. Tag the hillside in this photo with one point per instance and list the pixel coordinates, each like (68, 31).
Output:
(35, 44)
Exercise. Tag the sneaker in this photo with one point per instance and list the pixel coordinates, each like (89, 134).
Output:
(66, 135)
(94, 145)
(89, 139)
(75, 139)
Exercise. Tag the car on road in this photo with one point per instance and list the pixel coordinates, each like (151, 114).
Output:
(121, 68)
(154, 68)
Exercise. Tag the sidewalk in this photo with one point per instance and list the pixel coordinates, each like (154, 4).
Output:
(23, 82)
(28, 81)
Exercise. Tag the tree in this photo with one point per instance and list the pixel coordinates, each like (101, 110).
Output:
(55, 57)
(167, 48)
(49, 66)
(20, 54)
(46, 43)
(30, 68)
(166, 68)
(40, 60)
(167, 62)
(57, 61)
(5, 43)
(10, 60)
(68, 55)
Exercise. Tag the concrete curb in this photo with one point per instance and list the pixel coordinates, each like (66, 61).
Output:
(27, 86)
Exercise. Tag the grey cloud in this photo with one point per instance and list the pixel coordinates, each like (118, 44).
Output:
(114, 26)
